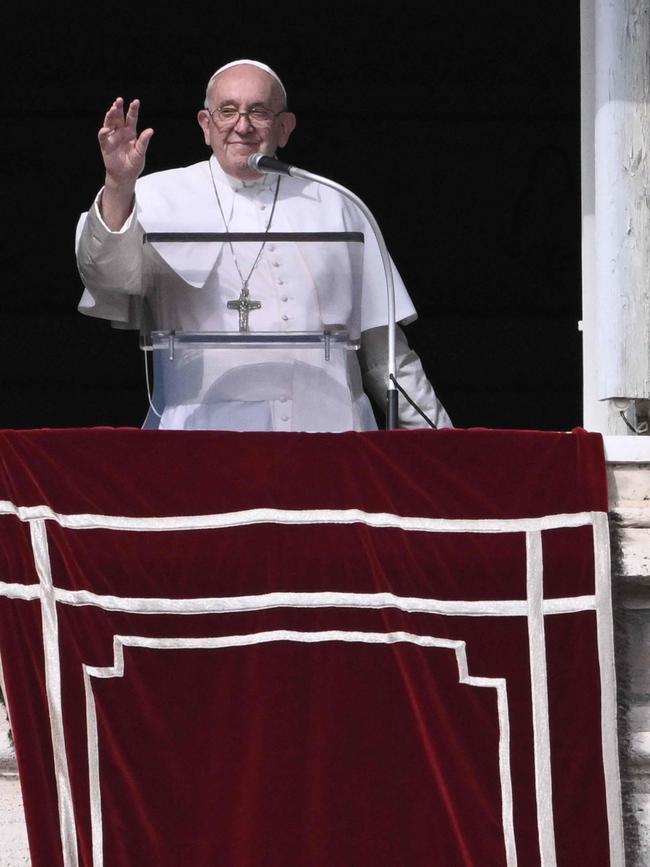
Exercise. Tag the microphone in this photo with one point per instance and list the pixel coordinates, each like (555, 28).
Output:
(268, 165)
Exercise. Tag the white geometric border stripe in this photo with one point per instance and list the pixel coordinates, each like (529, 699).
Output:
(257, 638)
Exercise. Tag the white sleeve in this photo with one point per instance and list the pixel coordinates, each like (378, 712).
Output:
(111, 267)
(98, 214)
(373, 358)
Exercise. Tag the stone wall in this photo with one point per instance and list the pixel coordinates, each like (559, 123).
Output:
(629, 502)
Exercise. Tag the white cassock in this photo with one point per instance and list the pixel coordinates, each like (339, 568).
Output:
(302, 287)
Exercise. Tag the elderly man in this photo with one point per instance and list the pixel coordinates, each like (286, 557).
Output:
(260, 287)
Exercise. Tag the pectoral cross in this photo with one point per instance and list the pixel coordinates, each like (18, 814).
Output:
(244, 304)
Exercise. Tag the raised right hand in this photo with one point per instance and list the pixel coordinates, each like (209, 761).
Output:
(123, 150)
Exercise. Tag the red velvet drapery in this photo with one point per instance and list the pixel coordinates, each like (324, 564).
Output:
(388, 648)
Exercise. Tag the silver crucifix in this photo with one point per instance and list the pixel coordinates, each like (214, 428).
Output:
(244, 304)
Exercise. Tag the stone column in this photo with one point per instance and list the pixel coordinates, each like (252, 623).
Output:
(615, 53)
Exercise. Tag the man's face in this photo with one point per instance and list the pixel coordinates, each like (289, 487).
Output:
(243, 88)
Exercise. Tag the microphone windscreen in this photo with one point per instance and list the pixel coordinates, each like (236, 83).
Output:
(266, 164)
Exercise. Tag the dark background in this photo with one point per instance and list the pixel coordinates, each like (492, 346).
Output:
(458, 125)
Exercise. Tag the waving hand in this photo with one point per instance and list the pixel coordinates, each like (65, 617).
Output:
(123, 152)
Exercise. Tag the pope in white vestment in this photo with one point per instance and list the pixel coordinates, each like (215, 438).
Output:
(297, 287)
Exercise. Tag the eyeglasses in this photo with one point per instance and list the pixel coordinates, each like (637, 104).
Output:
(228, 115)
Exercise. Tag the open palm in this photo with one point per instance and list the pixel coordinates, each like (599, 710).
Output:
(123, 150)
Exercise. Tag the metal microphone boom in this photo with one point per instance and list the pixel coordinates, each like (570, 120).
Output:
(270, 165)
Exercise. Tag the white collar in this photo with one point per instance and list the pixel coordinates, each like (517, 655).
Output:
(265, 181)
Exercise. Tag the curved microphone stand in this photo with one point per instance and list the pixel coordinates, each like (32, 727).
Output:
(270, 165)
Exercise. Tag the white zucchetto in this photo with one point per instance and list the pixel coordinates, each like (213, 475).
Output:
(256, 63)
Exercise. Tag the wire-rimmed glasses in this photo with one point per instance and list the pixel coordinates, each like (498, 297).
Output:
(258, 115)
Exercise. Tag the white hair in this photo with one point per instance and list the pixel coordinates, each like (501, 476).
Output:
(256, 63)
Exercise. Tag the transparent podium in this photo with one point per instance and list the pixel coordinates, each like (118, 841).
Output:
(301, 381)
(236, 373)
